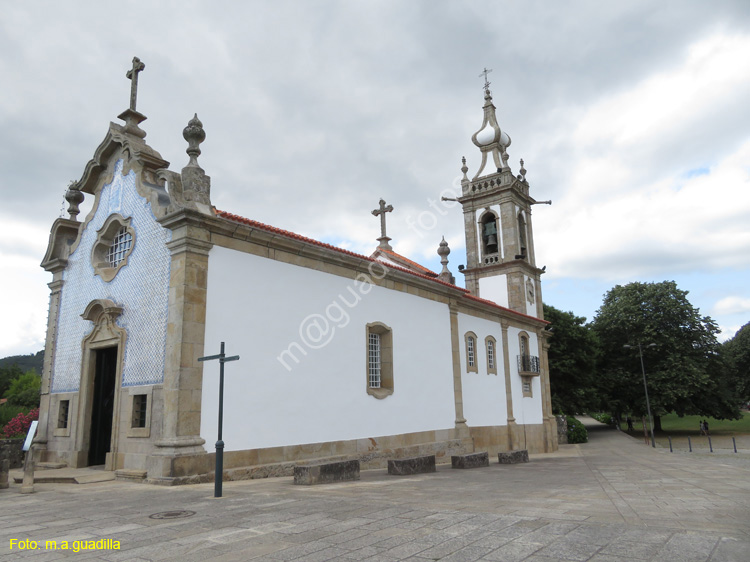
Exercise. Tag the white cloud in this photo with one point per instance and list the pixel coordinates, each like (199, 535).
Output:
(732, 305)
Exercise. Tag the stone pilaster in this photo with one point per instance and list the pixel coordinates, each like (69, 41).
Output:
(550, 423)
(183, 376)
(508, 389)
(49, 353)
(461, 428)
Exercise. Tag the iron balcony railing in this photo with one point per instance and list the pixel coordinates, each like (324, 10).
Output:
(528, 364)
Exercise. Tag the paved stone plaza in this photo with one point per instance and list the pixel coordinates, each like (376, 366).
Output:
(611, 499)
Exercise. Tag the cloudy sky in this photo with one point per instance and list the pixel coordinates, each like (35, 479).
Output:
(633, 117)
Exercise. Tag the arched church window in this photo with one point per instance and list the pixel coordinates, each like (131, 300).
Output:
(490, 244)
(491, 347)
(521, 235)
(470, 338)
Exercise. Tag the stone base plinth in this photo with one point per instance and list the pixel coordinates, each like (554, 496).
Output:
(471, 460)
(513, 457)
(414, 465)
(326, 473)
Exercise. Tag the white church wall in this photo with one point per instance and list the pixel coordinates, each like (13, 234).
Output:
(141, 287)
(495, 289)
(483, 394)
(262, 307)
(526, 410)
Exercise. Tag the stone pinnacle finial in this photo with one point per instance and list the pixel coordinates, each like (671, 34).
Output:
(75, 198)
(443, 251)
(464, 169)
(522, 171)
(382, 210)
(194, 135)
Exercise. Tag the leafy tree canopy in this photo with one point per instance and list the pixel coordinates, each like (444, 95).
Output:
(7, 375)
(737, 353)
(572, 362)
(685, 372)
(24, 390)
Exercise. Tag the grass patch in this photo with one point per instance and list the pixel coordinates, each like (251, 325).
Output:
(672, 424)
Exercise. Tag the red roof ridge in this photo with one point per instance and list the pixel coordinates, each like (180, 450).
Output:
(494, 304)
(250, 222)
(411, 262)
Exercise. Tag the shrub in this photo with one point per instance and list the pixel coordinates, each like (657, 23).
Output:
(603, 418)
(10, 411)
(576, 431)
(19, 426)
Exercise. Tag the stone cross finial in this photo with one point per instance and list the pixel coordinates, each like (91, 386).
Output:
(132, 75)
(484, 73)
(382, 210)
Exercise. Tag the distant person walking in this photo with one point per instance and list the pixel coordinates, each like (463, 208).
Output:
(705, 426)
(630, 423)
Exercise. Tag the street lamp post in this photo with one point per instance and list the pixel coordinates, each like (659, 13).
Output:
(645, 389)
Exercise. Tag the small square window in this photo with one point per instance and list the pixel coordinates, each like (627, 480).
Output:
(62, 414)
(140, 401)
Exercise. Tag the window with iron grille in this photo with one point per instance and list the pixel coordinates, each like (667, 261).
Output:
(62, 414)
(114, 243)
(374, 364)
(379, 340)
(140, 402)
(471, 351)
(119, 248)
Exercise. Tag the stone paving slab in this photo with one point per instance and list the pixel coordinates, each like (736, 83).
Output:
(612, 499)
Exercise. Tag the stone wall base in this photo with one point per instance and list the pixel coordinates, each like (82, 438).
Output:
(443, 450)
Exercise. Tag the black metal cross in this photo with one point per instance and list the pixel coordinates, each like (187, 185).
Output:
(218, 478)
(484, 73)
(132, 75)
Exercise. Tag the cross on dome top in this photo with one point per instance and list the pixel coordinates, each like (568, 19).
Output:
(490, 139)
(484, 73)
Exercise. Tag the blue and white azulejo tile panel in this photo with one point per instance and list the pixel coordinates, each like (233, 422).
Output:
(141, 288)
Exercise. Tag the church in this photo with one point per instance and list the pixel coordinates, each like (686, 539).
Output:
(376, 356)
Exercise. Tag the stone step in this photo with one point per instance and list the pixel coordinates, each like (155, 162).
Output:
(326, 473)
(413, 465)
(471, 460)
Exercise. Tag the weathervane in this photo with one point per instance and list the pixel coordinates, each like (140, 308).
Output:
(484, 73)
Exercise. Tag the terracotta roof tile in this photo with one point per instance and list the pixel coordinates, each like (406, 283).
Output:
(410, 262)
(255, 224)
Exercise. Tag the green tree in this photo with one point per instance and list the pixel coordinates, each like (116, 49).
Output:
(685, 372)
(572, 362)
(24, 390)
(736, 352)
(7, 375)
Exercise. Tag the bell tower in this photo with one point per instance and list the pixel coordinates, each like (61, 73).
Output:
(501, 265)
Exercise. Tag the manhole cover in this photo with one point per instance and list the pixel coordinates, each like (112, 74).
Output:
(172, 515)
